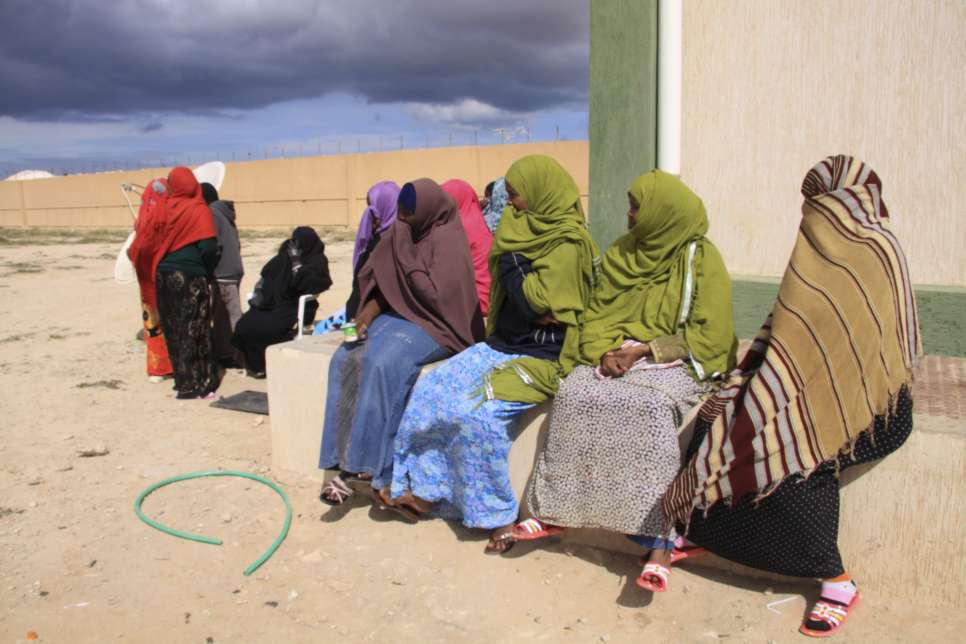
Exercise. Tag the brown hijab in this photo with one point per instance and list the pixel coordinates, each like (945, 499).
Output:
(424, 271)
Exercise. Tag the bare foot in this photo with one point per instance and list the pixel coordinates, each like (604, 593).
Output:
(335, 492)
(382, 500)
(408, 499)
(501, 540)
(661, 557)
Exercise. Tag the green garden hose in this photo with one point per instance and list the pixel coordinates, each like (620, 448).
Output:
(203, 539)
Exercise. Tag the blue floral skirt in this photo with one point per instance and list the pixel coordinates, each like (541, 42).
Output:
(453, 447)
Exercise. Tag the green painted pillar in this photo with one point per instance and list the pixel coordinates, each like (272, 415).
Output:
(623, 108)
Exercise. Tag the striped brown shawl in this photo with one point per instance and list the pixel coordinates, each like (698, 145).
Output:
(841, 340)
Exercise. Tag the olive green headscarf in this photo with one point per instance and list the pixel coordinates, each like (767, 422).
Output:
(553, 235)
(664, 277)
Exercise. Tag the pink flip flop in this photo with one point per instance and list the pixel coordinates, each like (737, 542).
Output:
(654, 577)
(533, 529)
(680, 554)
(832, 613)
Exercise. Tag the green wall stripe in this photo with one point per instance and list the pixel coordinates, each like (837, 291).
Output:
(623, 108)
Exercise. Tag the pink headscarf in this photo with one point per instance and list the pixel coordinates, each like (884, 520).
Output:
(477, 234)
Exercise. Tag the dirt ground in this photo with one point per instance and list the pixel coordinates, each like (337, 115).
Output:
(76, 564)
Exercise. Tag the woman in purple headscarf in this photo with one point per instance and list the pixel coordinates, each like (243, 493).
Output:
(379, 215)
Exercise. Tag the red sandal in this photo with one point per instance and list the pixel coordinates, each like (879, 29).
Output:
(677, 554)
(654, 577)
(680, 554)
(533, 529)
(831, 612)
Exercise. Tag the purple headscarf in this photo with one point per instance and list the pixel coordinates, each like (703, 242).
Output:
(383, 197)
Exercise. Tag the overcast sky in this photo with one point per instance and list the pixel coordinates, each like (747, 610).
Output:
(127, 81)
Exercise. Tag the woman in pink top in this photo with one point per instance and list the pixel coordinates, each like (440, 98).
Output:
(477, 234)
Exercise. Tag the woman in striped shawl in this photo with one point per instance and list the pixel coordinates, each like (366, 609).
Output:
(824, 386)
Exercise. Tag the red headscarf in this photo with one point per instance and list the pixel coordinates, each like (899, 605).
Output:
(146, 232)
(168, 220)
(187, 217)
(477, 234)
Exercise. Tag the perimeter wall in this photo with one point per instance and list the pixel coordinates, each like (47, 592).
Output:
(318, 191)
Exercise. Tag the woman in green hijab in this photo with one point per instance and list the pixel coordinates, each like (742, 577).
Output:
(453, 444)
(658, 333)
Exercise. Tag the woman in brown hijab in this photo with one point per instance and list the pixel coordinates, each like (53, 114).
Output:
(419, 305)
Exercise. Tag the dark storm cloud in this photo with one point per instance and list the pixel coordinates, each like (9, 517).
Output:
(151, 126)
(74, 60)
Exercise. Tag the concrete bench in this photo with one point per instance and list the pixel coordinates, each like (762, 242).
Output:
(902, 530)
(297, 384)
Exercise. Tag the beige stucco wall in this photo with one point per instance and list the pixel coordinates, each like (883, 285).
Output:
(321, 191)
(770, 88)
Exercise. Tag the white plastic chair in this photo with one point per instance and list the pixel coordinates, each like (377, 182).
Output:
(302, 302)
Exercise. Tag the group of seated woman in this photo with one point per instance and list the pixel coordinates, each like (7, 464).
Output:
(381, 213)
(625, 345)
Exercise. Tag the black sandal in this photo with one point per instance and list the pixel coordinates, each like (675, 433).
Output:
(335, 492)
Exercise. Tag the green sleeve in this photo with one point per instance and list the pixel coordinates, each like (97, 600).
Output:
(709, 331)
(668, 348)
(554, 285)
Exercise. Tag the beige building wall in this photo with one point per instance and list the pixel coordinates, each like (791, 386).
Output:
(319, 191)
(772, 87)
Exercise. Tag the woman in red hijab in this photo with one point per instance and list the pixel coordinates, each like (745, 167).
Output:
(184, 253)
(477, 234)
(141, 255)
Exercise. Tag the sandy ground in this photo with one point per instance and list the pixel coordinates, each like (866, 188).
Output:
(76, 565)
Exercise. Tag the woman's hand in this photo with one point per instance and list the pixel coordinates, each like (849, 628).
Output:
(616, 363)
(609, 366)
(364, 319)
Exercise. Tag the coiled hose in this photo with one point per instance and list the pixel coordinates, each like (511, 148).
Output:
(203, 539)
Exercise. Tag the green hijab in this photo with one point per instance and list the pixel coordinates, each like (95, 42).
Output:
(553, 235)
(664, 277)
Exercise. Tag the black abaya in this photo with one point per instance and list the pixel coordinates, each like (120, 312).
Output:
(283, 282)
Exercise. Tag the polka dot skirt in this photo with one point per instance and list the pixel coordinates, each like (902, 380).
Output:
(794, 530)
